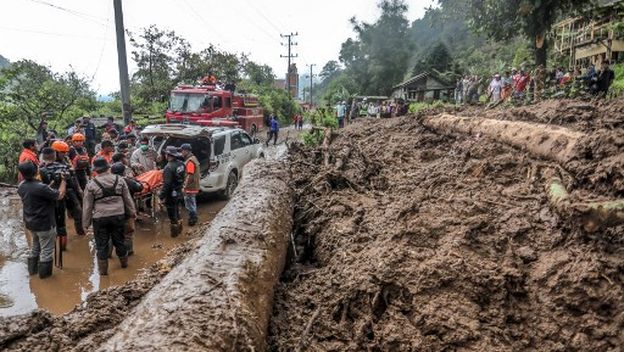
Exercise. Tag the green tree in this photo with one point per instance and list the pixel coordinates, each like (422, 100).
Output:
(156, 53)
(330, 69)
(261, 75)
(439, 59)
(378, 58)
(503, 20)
(27, 90)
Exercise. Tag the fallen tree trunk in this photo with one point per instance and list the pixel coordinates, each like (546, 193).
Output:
(220, 297)
(551, 142)
(593, 215)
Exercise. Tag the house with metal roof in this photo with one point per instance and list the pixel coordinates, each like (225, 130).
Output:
(426, 86)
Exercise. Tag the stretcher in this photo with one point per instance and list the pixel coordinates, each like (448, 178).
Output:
(147, 199)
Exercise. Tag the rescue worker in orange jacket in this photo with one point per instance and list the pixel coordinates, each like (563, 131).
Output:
(79, 157)
(29, 153)
(191, 183)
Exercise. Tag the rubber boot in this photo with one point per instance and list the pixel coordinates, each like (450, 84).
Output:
(176, 228)
(33, 265)
(129, 246)
(124, 262)
(173, 228)
(45, 269)
(103, 267)
(179, 227)
(192, 221)
(63, 243)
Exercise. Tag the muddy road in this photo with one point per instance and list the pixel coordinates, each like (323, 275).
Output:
(70, 286)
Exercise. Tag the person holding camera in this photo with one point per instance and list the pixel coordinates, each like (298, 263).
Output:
(107, 204)
(73, 196)
(39, 202)
(51, 173)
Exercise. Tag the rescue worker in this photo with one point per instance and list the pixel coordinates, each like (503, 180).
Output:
(73, 196)
(173, 181)
(122, 147)
(107, 204)
(134, 186)
(191, 182)
(29, 153)
(144, 158)
(107, 151)
(79, 156)
(131, 139)
(105, 137)
(123, 159)
(51, 173)
(130, 128)
(38, 208)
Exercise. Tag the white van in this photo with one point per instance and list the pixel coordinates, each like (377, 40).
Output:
(222, 152)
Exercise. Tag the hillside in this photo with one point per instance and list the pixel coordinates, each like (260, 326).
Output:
(4, 62)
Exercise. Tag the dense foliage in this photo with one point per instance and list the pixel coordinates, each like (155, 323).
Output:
(28, 90)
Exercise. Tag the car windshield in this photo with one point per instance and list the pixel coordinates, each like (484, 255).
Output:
(190, 103)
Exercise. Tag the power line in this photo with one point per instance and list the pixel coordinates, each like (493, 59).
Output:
(82, 15)
(202, 19)
(54, 34)
(99, 62)
(263, 15)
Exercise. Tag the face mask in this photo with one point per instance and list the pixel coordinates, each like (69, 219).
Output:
(144, 147)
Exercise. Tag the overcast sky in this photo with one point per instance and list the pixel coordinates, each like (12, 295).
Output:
(82, 33)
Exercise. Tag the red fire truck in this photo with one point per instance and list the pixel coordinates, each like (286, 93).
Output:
(209, 105)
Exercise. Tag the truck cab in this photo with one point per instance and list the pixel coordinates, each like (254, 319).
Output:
(209, 105)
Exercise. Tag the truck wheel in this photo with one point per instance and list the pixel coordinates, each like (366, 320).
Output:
(232, 182)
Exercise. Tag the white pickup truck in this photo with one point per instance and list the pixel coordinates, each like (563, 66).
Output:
(222, 152)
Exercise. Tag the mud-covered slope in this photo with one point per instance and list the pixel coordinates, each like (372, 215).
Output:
(412, 240)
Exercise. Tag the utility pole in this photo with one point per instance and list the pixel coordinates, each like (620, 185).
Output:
(311, 85)
(290, 56)
(122, 60)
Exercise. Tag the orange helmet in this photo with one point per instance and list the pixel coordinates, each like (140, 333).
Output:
(78, 137)
(60, 146)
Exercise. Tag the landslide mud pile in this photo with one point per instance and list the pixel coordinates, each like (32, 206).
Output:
(88, 325)
(411, 239)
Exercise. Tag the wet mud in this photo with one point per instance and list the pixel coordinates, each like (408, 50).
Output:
(416, 240)
(217, 294)
(78, 278)
(220, 297)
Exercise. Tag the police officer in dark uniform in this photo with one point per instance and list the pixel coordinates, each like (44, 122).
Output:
(171, 193)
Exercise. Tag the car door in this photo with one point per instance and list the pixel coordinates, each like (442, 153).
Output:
(238, 151)
(249, 146)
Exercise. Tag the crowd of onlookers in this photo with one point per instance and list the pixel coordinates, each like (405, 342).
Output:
(522, 85)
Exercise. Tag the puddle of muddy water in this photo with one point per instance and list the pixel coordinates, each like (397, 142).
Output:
(71, 285)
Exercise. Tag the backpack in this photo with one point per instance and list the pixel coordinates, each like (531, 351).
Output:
(81, 162)
(107, 192)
